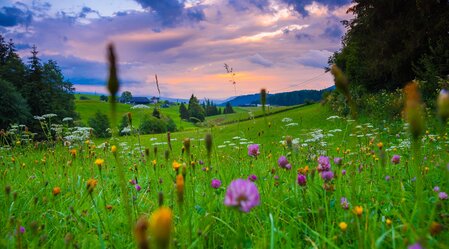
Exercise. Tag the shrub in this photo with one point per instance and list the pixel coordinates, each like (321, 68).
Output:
(151, 125)
(100, 123)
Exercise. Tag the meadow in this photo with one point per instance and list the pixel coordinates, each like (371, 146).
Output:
(309, 179)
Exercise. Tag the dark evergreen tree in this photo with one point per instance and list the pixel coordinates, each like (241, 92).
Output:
(228, 109)
(196, 112)
(14, 108)
(183, 112)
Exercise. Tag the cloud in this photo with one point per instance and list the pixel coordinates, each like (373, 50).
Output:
(301, 5)
(171, 12)
(258, 59)
(13, 16)
(315, 58)
(246, 5)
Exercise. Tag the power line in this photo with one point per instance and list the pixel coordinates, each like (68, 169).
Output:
(301, 83)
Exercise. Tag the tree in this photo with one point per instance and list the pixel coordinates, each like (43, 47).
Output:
(104, 98)
(228, 109)
(126, 97)
(156, 113)
(100, 124)
(183, 112)
(387, 40)
(14, 108)
(196, 112)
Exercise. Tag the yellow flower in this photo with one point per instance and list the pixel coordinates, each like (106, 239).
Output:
(380, 145)
(176, 165)
(343, 226)
(358, 210)
(56, 191)
(154, 162)
(388, 222)
(91, 184)
(161, 226)
(114, 149)
(73, 152)
(99, 162)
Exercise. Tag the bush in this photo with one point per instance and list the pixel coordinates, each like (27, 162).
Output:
(100, 123)
(84, 98)
(151, 125)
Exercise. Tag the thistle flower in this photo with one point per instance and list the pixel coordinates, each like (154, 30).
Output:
(242, 194)
(436, 189)
(282, 162)
(413, 110)
(161, 226)
(323, 164)
(140, 231)
(252, 177)
(215, 183)
(396, 159)
(442, 196)
(113, 84)
(417, 245)
(138, 188)
(338, 160)
(253, 150)
(344, 203)
(186, 144)
(301, 180)
(327, 175)
(208, 143)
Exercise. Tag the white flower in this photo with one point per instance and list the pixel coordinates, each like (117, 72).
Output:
(292, 124)
(49, 115)
(221, 146)
(66, 119)
(287, 120)
(39, 118)
(333, 117)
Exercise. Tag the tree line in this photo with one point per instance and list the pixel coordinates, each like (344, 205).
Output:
(31, 88)
(391, 42)
(196, 112)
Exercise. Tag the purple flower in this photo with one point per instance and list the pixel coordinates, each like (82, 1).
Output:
(338, 160)
(436, 189)
(133, 182)
(242, 194)
(288, 166)
(215, 183)
(396, 159)
(252, 177)
(201, 162)
(302, 181)
(253, 150)
(442, 196)
(323, 164)
(387, 178)
(417, 245)
(344, 203)
(137, 186)
(276, 177)
(327, 175)
(282, 161)
(22, 229)
(343, 172)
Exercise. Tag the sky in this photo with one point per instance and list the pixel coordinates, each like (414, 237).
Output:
(280, 45)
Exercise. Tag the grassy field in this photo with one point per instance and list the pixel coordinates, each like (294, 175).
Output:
(381, 192)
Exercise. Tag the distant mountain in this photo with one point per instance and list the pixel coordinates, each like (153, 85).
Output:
(283, 99)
